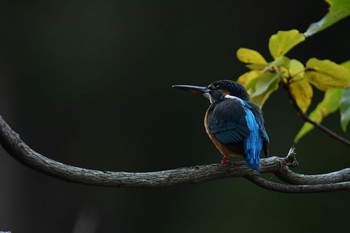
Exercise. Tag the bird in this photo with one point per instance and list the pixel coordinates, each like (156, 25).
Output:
(233, 123)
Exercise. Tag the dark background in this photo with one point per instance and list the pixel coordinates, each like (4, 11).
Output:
(88, 83)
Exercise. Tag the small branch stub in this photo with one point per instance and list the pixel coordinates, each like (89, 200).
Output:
(291, 158)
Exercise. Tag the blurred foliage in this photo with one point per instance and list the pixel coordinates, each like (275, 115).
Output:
(299, 79)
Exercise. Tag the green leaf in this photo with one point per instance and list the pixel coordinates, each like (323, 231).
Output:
(345, 104)
(284, 41)
(262, 87)
(250, 56)
(263, 84)
(338, 10)
(327, 74)
(256, 66)
(345, 109)
(328, 105)
(278, 64)
(302, 92)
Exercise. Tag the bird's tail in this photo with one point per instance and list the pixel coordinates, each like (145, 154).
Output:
(253, 161)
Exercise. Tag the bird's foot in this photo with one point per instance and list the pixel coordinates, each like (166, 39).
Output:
(225, 160)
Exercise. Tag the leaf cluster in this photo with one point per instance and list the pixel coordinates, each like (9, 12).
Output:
(300, 79)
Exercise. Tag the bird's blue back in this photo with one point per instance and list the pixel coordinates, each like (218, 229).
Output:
(239, 126)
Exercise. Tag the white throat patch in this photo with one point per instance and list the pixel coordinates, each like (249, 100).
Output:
(208, 96)
(232, 97)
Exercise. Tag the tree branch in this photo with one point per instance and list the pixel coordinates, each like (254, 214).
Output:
(291, 177)
(20, 151)
(287, 188)
(306, 118)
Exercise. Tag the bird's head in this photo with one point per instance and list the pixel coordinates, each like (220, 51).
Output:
(218, 90)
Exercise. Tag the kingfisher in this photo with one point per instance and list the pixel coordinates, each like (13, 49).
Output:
(233, 123)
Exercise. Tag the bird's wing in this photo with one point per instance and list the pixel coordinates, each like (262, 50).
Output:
(260, 119)
(228, 125)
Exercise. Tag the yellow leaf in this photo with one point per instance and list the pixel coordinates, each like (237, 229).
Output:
(296, 68)
(250, 56)
(284, 41)
(324, 81)
(329, 67)
(328, 105)
(245, 78)
(346, 64)
(302, 93)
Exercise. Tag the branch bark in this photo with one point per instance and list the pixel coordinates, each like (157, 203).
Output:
(20, 151)
(287, 188)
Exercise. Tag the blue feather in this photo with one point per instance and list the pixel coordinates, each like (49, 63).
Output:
(253, 144)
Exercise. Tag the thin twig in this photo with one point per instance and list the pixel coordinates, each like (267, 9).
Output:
(306, 118)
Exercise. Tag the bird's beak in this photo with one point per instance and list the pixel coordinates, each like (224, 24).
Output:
(198, 90)
(193, 89)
